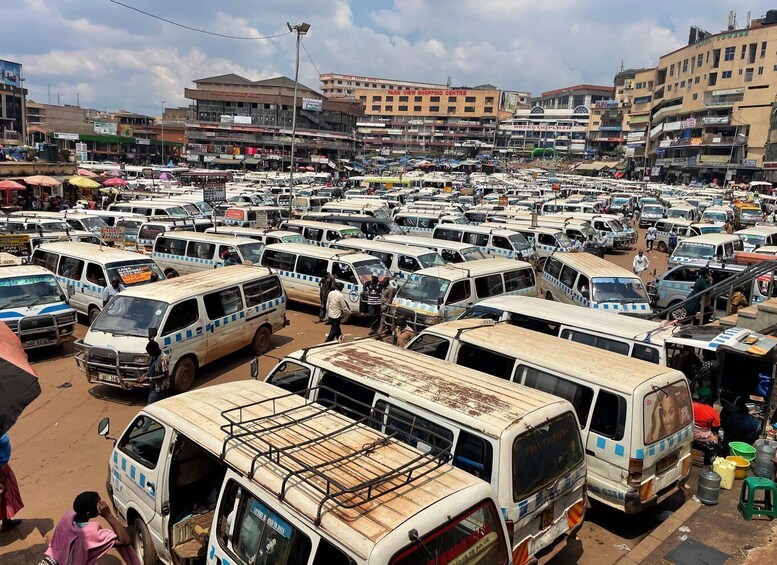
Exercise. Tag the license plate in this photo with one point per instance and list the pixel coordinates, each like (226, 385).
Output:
(108, 378)
(34, 342)
(546, 518)
(666, 463)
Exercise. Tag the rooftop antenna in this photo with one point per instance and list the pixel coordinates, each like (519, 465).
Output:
(747, 23)
(48, 86)
(732, 20)
(78, 100)
(57, 98)
(449, 81)
(621, 65)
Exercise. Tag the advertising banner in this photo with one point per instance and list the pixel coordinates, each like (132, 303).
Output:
(508, 101)
(125, 130)
(112, 233)
(105, 128)
(214, 195)
(18, 245)
(10, 73)
(312, 105)
(242, 119)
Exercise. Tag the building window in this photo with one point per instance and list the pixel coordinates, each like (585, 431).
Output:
(403, 108)
(727, 74)
(695, 96)
(469, 99)
(699, 59)
(713, 79)
(434, 108)
(775, 68)
(685, 66)
(434, 99)
(669, 88)
(377, 98)
(749, 75)
(339, 82)
(741, 72)
(451, 109)
(389, 108)
(389, 98)
(696, 80)
(729, 53)
(763, 49)
(416, 108)
(488, 109)
(671, 70)
(403, 98)
(489, 99)
(469, 109)
(760, 70)
(682, 84)
(451, 99)
(376, 108)
(417, 99)
(744, 51)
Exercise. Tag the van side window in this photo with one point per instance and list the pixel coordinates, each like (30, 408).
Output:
(406, 221)
(291, 376)
(450, 256)
(430, 345)
(484, 360)
(646, 353)
(142, 442)
(478, 239)
(583, 286)
(311, 266)
(407, 263)
(519, 280)
(222, 303)
(70, 268)
(412, 429)
(170, 246)
(553, 267)
(546, 239)
(489, 285)
(326, 554)
(181, 316)
(354, 399)
(599, 342)
(384, 257)
(95, 274)
(427, 223)
(578, 395)
(684, 274)
(313, 234)
(150, 232)
(200, 250)
(278, 260)
(46, 260)
(459, 292)
(474, 455)
(332, 235)
(609, 417)
(448, 235)
(568, 275)
(251, 532)
(501, 242)
(343, 272)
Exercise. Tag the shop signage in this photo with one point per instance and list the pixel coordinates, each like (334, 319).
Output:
(105, 128)
(18, 245)
(112, 233)
(66, 136)
(214, 194)
(242, 119)
(312, 105)
(714, 120)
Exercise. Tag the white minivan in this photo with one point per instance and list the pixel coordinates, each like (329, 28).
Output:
(196, 319)
(400, 260)
(184, 252)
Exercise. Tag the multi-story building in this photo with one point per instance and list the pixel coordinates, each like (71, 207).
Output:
(238, 120)
(336, 85)
(13, 98)
(556, 122)
(711, 104)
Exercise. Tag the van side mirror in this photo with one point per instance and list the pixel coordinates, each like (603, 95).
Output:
(255, 368)
(152, 333)
(70, 291)
(104, 427)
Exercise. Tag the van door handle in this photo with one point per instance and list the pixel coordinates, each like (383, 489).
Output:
(589, 452)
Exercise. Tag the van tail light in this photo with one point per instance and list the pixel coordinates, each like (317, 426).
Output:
(646, 490)
(635, 472)
(575, 515)
(521, 553)
(510, 529)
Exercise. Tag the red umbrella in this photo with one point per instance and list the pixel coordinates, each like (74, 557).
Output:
(18, 384)
(115, 181)
(11, 185)
(86, 173)
(115, 173)
(311, 169)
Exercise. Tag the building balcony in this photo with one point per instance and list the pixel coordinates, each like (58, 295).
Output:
(706, 140)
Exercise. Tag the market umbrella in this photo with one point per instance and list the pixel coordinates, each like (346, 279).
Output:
(41, 180)
(83, 182)
(311, 169)
(115, 181)
(18, 383)
(86, 173)
(11, 185)
(115, 173)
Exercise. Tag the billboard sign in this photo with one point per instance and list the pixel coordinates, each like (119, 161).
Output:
(214, 195)
(125, 130)
(10, 73)
(312, 105)
(105, 128)
(242, 119)
(508, 101)
(18, 245)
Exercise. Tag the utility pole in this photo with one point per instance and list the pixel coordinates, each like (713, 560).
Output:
(301, 30)
(162, 121)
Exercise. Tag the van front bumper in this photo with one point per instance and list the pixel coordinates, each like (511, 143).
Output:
(106, 366)
(43, 331)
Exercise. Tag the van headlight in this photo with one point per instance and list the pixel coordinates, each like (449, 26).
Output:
(430, 320)
(141, 360)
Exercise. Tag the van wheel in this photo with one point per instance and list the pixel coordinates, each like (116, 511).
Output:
(183, 375)
(548, 296)
(678, 314)
(143, 544)
(662, 247)
(171, 273)
(261, 343)
(94, 311)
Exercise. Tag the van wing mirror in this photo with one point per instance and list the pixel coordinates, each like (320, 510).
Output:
(255, 368)
(104, 427)
(70, 291)
(152, 333)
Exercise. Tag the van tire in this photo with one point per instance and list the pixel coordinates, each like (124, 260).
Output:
(662, 247)
(261, 343)
(549, 296)
(94, 311)
(678, 314)
(142, 543)
(184, 374)
(171, 273)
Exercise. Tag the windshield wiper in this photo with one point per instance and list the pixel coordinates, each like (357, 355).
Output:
(38, 301)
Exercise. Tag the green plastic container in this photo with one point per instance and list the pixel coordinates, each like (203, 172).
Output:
(741, 449)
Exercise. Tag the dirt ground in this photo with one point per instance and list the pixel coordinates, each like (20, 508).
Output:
(58, 454)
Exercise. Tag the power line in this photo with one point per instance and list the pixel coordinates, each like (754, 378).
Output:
(310, 58)
(198, 30)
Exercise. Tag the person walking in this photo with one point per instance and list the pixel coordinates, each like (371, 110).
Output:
(640, 264)
(672, 241)
(702, 283)
(325, 287)
(374, 291)
(10, 499)
(728, 228)
(386, 298)
(112, 290)
(601, 242)
(77, 540)
(336, 307)
(650, 237)
(158, 372)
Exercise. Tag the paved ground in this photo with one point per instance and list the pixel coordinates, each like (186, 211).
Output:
(57, 453)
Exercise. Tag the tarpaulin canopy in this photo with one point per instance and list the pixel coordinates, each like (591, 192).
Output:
(18, 384)
(41, 180)
(83, 182)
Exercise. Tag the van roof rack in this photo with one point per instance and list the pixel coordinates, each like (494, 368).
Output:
(302, 458)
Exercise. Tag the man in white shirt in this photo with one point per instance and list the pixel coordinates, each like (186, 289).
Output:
(640, 264)
(112, 290)
(601, 242)
(650, 237)
(336, 306)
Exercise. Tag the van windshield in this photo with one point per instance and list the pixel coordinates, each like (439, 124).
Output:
(751, 213)
(712, 228)
(129, 315)
(695, 250)
(667, 410)
(365, 270)
(29, 290)
(251, 251)
(177, 211)
(753, 239)
(653, 209)
(93, 224)
(132, 273)
(131, 228)
(430, 260)
(519, 242)
(619, 290)
(424, 288)
(715, 216)
(616, 226)
(677, 213)
(544, 454)
(472, 254)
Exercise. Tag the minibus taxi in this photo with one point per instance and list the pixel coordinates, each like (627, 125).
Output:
(326, 496)
(711, 247)
(525, 443)
(718, 215)
(650, 214)
(377, 210)
(450, 251)
(636, 418)
(757, 236)
(684, 212)
(544, 241)
(254, 216)
(182, 252)
(423, 223)
(682, 228)
(76, 221)
(37, 240)
(301, 268)
(579, 230)
(150, 208)
(149, 230)
(400, 260)
(589, 281)
(322, 234)
(85, 270)
(370, 226)
(492, 241)
(301, 205)
(33, 305)
(437, 294)
(620, 235)
(196, 319)
(747, 214)
(266, 236)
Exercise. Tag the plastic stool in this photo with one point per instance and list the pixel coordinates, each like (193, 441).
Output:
(748, 505)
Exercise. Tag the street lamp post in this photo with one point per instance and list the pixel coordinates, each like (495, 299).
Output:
(162, 121)
(301, 30)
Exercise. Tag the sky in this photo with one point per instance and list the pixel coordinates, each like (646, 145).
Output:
(110, 57)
